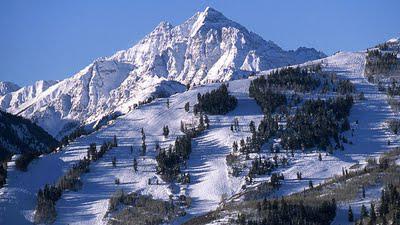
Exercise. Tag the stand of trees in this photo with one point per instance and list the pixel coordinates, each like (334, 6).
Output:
(216, 102)
(296, 79)
(276, 212)
(393, 89)
(388, 210)
(345, 87)
(316, 122)
(267, 99)
(47, 198)
(169, 160)
(380, 63)
(3, 173)
(137, 209)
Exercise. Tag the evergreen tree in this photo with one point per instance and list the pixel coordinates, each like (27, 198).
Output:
(114, 161)
(187, 107)
(363, 191)
(115, 142)
(182, 127)
(201, 122)
(364, 211)
(235, 146)
(372, 213)
(207, 121)
(135, 164)
(165, 131)
(143, 142)
(350, 215)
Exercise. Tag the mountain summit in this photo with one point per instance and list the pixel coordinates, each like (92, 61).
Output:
(208, 47)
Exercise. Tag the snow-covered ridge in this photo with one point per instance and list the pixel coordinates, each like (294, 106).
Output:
(7, 87)
(208, 47)
(14, 99)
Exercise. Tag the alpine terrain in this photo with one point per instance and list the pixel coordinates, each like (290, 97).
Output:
(207, 123)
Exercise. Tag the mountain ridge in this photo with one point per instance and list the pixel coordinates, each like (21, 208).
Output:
(208, 47)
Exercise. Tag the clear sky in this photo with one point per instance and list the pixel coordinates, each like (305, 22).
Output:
(54, 39)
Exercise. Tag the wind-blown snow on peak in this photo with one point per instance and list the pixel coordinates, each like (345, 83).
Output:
(207, 47)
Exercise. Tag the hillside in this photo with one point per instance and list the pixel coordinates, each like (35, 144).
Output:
(208, 47)
(211, 178)
(19, 135)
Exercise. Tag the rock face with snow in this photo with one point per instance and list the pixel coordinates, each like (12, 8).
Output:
(7, 87)
(208, 47)
(13, 100)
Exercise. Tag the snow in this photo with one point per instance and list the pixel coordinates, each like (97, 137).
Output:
(207, 47)
(210, 180)
(7, 87)
(372, 194)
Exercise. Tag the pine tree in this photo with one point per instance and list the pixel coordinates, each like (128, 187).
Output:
(165, 131)
(187, 107)
(114, 161)
(252, 127)
(143, 142)
(372, 213)
(182, 127)
(115, 142)
(135, 164)
(363, 191)
(207, 121)
(364, 211)
(384, 207)
(235, 146)
(350, 215)
(144, 147)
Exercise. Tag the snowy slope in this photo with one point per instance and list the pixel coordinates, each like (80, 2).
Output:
(207, 164)
(207, 47)
(7, 87)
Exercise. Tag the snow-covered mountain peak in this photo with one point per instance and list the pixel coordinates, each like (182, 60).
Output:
(212, 19)
(394, 40)
(207, 47)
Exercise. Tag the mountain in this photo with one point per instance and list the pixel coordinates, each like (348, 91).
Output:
(13, 100)
(7, 87)
(18, 135)
(207, 47)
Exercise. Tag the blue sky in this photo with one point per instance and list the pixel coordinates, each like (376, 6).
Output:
(54, 39)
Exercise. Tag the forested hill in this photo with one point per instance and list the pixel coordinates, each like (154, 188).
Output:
(19, 135)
